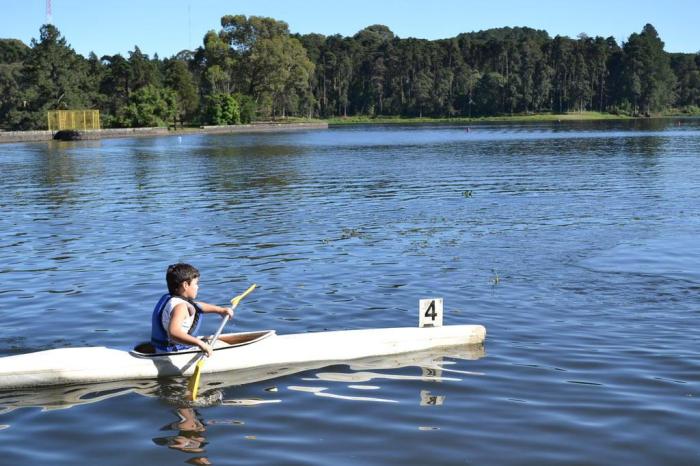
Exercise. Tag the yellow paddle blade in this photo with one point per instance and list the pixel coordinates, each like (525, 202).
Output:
(234, 301)
(193, 384)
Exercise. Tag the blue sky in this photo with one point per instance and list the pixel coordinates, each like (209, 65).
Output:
(166, 27)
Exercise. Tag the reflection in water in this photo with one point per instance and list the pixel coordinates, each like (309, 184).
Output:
(428, 399)
(187, 433)
(190, 435)
(431, 364)
(321, 391)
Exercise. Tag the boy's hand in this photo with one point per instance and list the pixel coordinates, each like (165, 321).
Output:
(226, 311)
(206, 347)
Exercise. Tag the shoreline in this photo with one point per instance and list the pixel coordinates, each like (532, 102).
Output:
(534, 118)
(266, 127)
(112, 133)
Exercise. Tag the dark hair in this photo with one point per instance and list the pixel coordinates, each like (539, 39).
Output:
(178, 274)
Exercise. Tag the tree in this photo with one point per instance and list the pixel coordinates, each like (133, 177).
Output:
(282, 72)
(247, 106)
(219, 63)
(116, 85)
(222, 109)
(179, 79)
(647, 72)
(686, 67)
(13, 51)
(53, 77)
(144, 72)
(12, 54)
(149, 106)
(489, 93)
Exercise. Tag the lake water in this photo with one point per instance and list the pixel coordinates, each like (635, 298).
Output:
(575, 244)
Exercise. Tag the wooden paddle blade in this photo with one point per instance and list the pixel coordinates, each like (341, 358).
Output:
(193, 384)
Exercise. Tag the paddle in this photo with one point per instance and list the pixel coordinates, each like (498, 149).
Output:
(193, 384)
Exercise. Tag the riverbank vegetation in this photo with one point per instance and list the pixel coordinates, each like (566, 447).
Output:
(524, 118)
(253, 68)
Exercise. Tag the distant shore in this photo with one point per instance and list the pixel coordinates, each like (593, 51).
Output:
(110, 133)
(301, 124)
(545, 117)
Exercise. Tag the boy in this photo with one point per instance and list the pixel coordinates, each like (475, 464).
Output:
(176, 317)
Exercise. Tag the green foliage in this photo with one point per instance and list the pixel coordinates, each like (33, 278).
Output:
(222, 109)
(179, 79)
(149, 106)
(254, 68)
(53, 77)
(248, 108)
(13, 51)
(649, 80)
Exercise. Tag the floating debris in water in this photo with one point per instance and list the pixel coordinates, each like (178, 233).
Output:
(467, 193)
(428, 428)
(351, 233)
(251, 437)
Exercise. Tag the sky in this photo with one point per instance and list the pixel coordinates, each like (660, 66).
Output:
(166, 27)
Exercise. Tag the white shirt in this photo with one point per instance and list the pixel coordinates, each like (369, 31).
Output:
(167, 315)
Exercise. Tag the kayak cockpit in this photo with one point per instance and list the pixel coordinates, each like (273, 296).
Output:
(147, 350)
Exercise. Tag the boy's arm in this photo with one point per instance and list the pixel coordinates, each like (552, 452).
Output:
(206, 307)
(176, 332)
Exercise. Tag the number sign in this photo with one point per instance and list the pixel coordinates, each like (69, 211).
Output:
(430, 312)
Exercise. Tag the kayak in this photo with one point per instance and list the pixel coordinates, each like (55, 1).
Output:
(434, 365)
(248, 350)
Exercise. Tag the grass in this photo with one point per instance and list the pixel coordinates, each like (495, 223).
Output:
(573, 116)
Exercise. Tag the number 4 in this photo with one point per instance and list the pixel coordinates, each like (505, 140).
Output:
(430, 312)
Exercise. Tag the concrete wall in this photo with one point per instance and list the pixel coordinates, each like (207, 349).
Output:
(34, 136)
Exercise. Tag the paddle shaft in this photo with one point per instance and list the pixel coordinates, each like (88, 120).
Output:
(218, 332)
(193, 384)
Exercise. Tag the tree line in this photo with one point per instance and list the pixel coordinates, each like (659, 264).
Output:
(253, 68)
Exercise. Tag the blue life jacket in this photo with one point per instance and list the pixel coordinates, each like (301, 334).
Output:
(159, 335)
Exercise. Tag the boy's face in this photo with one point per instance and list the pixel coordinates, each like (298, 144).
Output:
(190, 289)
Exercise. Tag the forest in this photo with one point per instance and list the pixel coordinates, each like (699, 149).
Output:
(255, 69)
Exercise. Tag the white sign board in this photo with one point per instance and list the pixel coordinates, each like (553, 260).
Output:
(430, 312)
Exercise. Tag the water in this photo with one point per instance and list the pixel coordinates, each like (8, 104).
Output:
(575, 245)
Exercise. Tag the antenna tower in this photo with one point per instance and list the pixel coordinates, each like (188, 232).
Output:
(49, 17)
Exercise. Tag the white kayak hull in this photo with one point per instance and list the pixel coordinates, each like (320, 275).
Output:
(436, 365)
(258, 349)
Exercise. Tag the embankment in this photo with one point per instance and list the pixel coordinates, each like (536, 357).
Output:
(38, 136)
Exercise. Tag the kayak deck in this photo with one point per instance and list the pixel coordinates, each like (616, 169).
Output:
(147, 350)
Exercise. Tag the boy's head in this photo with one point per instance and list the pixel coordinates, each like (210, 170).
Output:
(178, 274)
